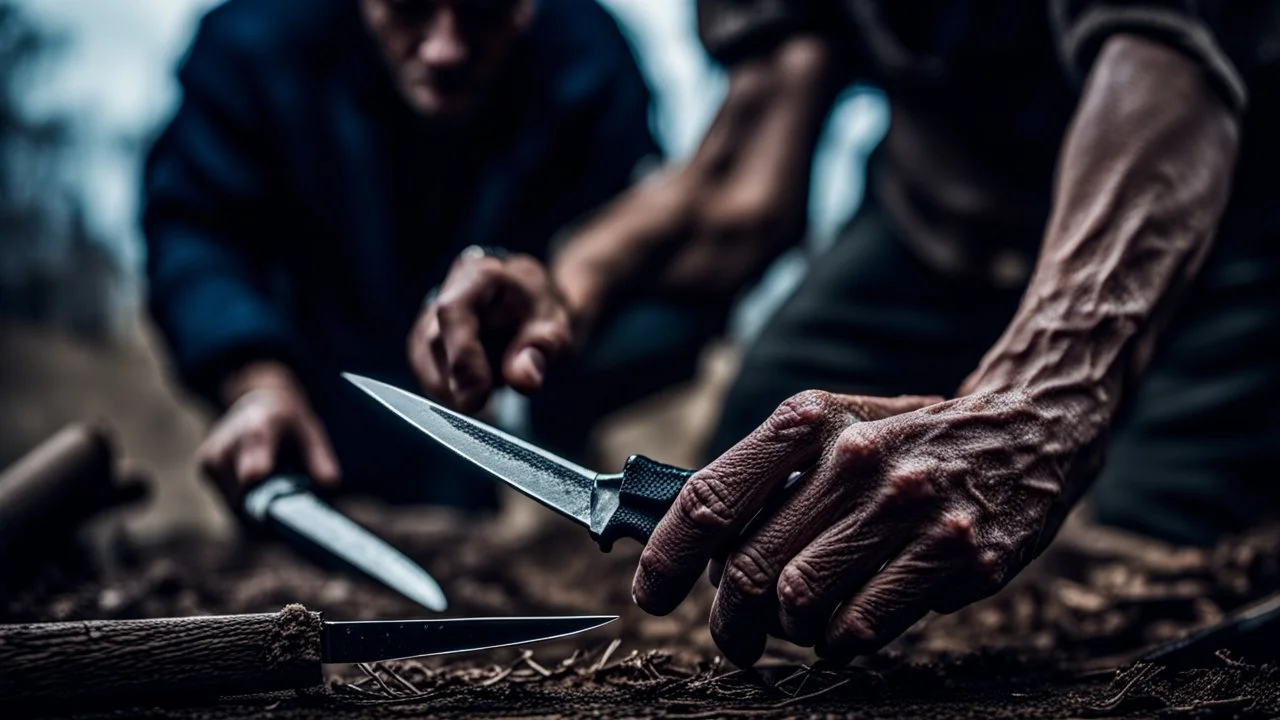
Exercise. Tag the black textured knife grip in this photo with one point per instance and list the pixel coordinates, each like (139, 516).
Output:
(123, 662)
(648, 490)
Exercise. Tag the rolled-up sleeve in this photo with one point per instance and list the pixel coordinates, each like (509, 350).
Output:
(732, 30)
(1196, 28)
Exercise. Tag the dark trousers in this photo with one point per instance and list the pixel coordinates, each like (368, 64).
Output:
(1194, 451)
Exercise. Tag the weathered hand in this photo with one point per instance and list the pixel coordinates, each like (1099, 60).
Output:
(912, 504)
(489, 308)
(244, 446)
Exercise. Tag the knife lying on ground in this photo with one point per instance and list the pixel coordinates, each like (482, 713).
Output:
(121, 661)
(286, 506)
(1251, 634)
(627, 504)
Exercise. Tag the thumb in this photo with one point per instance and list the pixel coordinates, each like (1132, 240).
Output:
(322, 462)
(526, 369)
(537, 344)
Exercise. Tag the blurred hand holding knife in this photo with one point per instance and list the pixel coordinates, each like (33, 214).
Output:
(627, 504)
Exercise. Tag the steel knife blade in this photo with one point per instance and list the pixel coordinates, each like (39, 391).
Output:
(381, 640)
(285, 504)
(627, 504)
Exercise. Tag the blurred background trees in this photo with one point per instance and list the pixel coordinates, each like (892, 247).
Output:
(53, 270)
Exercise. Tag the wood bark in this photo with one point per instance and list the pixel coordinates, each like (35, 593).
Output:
(95, 663)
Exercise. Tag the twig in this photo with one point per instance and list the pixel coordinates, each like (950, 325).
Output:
(608, 653)
(792, 676)
(359, 690)
(812, 695)
(1230, 662)
(391, 671)
(1144, 673)
(499, 677)
(527, 657)
(715, 679)
(364, 667)
(572, 660)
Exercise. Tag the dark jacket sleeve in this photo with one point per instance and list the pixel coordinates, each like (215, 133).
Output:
(1230, 39)
(206, 217)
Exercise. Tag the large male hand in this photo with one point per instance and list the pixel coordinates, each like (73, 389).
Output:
(267, 412)
(496, 321)
(912, 504)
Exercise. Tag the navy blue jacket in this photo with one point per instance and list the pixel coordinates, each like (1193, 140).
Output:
(297, 209)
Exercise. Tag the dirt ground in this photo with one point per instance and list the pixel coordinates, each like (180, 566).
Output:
(1047, 646)
(1043, 648)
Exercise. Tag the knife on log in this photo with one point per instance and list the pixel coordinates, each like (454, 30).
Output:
(121, 661)
(610, 506)
(286, 506)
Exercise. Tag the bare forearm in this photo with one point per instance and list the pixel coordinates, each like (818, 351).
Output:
(713, 224)
(1142, 182)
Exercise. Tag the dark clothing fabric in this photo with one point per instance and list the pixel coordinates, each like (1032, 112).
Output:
(1190, 455)
(298, 209)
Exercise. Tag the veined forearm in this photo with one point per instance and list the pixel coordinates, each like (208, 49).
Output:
(713, 224)
(1142, 182)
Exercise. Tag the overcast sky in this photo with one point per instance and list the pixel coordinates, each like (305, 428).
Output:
(115, 80)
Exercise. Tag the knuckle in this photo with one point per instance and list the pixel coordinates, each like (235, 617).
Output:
(854, 447)
(957, 529)
(798, 589)
(749, 574)
(557, 338)
(448, 304)
(524, 267)
(909, 486)
(705, 503)
(800, 416)
(488, 270)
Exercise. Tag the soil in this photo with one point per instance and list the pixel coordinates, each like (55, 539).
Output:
(1047, 646)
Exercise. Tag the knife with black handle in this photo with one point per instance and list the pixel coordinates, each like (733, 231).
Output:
(628, 504)
(101, 662)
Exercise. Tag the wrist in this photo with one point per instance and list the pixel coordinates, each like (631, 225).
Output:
(584, 294)
(260, 375)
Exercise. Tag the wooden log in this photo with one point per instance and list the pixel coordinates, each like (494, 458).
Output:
(122, 662)
(53, 487)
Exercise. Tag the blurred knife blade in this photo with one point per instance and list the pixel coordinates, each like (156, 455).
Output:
(286, 505)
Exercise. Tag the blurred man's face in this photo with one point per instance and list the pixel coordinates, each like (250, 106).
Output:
(445, 54)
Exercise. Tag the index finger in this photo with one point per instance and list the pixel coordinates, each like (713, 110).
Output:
(719, 500)
(458, 312)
